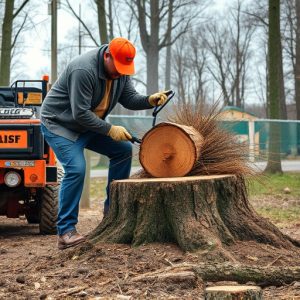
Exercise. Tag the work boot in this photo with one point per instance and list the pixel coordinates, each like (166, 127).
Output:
(69, 239)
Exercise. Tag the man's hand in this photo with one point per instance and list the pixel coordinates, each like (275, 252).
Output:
(158, 98)
(119, 133)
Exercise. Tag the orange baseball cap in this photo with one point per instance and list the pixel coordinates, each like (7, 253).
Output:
(123, 53)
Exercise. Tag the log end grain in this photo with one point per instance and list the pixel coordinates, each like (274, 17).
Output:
(170, 150)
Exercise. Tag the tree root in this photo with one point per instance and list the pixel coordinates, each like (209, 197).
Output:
(262, 276)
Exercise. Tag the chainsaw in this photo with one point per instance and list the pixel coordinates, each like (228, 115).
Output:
(170, 94)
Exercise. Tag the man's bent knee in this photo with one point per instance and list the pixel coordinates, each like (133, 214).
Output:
(128, 148)
(77, 172)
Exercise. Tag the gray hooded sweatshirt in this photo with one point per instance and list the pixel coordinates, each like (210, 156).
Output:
(68, 107)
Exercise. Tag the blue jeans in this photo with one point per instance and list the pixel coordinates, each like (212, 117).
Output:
(70, 154)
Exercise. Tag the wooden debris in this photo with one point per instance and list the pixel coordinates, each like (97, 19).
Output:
(175, 277)
(73, 291)
(233, 292)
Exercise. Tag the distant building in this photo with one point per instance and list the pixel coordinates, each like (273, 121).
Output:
(242, 124)
(236, 113)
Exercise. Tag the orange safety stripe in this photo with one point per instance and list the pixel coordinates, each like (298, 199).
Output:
(20, 121)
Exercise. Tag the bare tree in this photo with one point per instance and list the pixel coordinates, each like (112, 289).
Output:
(292, 44)
(88, 31)
(198, 67)
(229, 46)
(9, 38)
(181, 69)
(190, 65)
(157, 31)
(102, 21)
(168, 49)
(215, 40)
(260, 14)
(297, 64)
(274, 62)
(241, 30)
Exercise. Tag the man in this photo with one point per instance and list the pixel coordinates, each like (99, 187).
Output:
(73, 118)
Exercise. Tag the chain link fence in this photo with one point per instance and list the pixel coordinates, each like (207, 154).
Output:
(255, 133)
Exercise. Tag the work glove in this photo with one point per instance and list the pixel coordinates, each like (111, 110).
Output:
(158, 98)
(119, 133)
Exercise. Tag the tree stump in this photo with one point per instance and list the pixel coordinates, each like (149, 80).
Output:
(170, 150)
(196, 212)
(233, 292)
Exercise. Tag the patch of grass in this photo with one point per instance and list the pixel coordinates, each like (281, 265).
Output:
(281, 216)
(275, 184)
(99, 167)
(98, 186)
(268, 197)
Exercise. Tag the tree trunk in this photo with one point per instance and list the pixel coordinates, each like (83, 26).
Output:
(283, 110)
(152, 69)
(111, 22)
(238, 57)
(274, 63)
(274, 147)
(168, 67)
(155, 38)
(102, 21)
(168, 47)
(297, 71)
(297, 68)
(197, 212)
(6, 43)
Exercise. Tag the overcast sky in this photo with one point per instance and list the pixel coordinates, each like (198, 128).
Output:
(36, 56)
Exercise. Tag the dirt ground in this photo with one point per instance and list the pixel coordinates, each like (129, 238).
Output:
(31, 267)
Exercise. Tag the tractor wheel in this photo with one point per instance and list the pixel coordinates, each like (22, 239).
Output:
(49, 207)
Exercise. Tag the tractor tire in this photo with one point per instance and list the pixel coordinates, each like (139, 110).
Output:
(49, 207)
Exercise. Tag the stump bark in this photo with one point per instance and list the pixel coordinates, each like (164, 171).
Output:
(197, 212)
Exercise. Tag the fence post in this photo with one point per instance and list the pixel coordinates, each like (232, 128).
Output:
(85, 198)
(251, 129)
(293, 138)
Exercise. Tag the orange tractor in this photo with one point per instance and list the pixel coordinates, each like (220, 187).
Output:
(29, 175)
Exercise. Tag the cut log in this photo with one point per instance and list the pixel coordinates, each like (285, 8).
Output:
(233, 292)
(170, 150)
(197, 212)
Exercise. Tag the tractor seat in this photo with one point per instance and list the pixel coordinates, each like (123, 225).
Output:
(6, 97)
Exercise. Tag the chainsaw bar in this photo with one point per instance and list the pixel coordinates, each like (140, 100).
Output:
(170, 94)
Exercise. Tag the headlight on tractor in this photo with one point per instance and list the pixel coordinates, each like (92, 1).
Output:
(12, 179)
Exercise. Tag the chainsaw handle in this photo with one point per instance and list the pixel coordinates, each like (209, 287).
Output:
(135, 139)
(170, 94)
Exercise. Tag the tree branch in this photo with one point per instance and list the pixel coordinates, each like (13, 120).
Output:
(19, 31)
(20, 8)
(83, 24)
